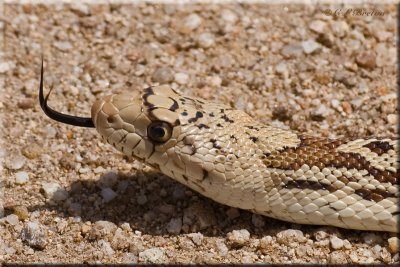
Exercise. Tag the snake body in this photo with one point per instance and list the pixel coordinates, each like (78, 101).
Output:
(227, 156)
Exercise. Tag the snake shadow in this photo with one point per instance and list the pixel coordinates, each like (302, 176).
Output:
(156, 204)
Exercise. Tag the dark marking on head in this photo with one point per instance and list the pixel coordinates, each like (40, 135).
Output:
(184, 113)
(219, 125)
(214, 142)
(201, 125)
(174, 105)
(191, 120)
(233, 137)
(205, 174)
(254, 139)
(212, 114)
(221, 110)
(174, 91)
(225, 118)
(199, 114)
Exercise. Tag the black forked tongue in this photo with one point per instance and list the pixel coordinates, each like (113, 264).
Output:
(57, 116)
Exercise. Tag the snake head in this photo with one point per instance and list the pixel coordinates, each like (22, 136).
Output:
(139, 123)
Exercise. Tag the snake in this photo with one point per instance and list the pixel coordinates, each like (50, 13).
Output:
(226, 155)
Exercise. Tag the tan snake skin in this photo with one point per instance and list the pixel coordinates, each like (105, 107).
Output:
(225, 155)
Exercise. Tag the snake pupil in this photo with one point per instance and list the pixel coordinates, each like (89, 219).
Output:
(159, 131)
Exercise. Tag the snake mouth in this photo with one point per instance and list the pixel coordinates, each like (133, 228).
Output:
(58, 116)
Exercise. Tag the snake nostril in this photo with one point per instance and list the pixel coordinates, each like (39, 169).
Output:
(111, 119)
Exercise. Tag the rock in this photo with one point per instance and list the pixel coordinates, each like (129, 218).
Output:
(22, 212)
(15, 162)
(152, 255)
(26, 103)
(232, 213)
(108, 179)
(393, 244)
(129, 258)
(54, 191)
(21, 177)
(197, 238)
(366, 59)
(288, 236)
(32, 151)
(392, 119)
(63, 45)
(17, 131)
(372, 238)
(265, 242)
(163, 75)
(80, 9)
(214, 81)
(336, 243)
(317, 26)
(192, 22)
(120, 240)
(106, 247)
(75, 209)
(281, 68)
(206, 40)
(181, 78)
(6, 66)
(291, 51)
(141, 199)
(199, 216)
(326, 39)
(321, 113)
(12, 219)
(102, 229)
(228, 16)
(310, 46)
(340, 28)
(338, 257)
(345, 77)
(222, 248)
(174, 226)
(257, 220)
(108, 194)
(238, 238)
(34, 234)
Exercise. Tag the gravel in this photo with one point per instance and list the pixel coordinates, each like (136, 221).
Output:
(289, 65)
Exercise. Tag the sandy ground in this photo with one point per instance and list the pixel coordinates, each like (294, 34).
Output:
(70, 198)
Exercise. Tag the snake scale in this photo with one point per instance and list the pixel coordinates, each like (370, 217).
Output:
(227, 156)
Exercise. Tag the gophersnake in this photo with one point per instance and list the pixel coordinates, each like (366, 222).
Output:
(227, 156)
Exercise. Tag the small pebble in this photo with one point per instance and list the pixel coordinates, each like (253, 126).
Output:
(336, 243)
(152, 255)
(181, 78)
(392, 119)
(54, 191)
(26, 103)
(102, 229)
(372, 238)
(265, 242)
(163, 75)
(393, 244)
(366, 59)
(206, 40)
(6, 66)
(34, 234)
(108, 179)
(229, 16)
(238, 238)
(197, 238)
(288, 236)
(338, 257)
(291, 50)
(22, 212)
(258, 220)
(106, 247)
(12, 219)
(108, 194)
(310, 46)
(63, 45)
(192, 22)
(317, 26)
(80, 8)
(21, 178)
(174, 226)
(141, 199)
(15, 162)
(222, 248)
(129, 258)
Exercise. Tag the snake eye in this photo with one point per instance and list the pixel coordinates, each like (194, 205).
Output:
(159, 131)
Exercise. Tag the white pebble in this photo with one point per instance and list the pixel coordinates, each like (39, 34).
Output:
(152, 255)
(310, 46)
(21, 177)
(229, 16)
(317, 26)
(238, 237)
(6, 66)
(54, 191)
(192, 22)
(392, 119)
(181, 78)
(336, 243)
(197, 238)
(12, 219)
(63, 46)
(206, 40)
(106, 247)
(108, 194)
(15, 162)
(214, 81)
